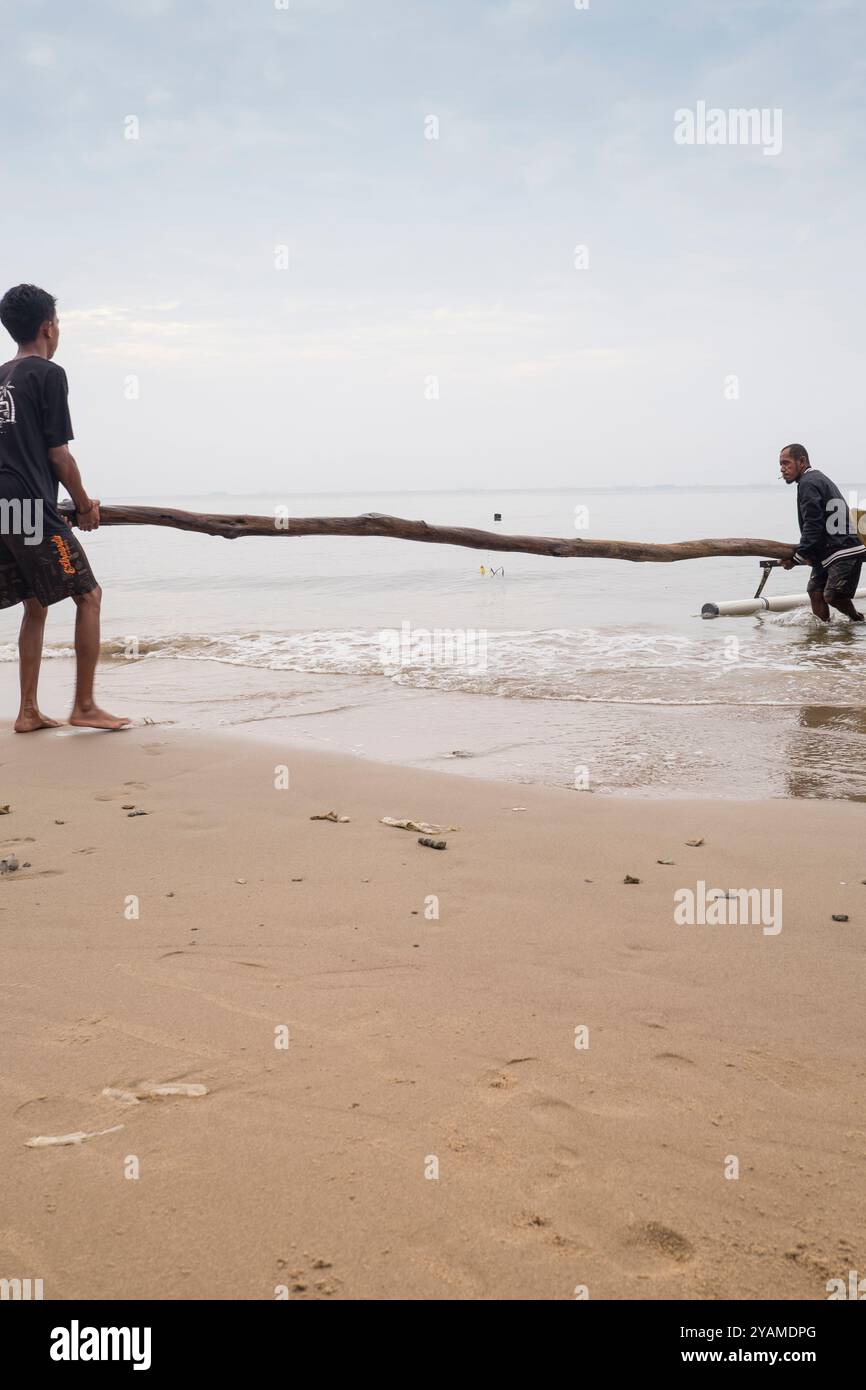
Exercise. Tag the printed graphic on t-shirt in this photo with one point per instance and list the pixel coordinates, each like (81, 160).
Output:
(7, 407)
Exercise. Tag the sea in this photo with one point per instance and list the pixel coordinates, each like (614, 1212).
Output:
(600, 676)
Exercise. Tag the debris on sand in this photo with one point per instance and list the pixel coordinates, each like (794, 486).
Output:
(47, 1141)
(630, 878)
(5, 810)
(153, 1090)
(664, 861)
(422, 827)
(130, 814)
(9, 864)
(332, 815)
(431, 843)
(695, 844)
(840, 916)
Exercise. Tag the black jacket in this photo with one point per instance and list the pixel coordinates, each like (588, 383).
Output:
(827, 531)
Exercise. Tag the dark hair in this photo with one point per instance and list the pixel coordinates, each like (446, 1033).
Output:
(798, 453)
(24, 309)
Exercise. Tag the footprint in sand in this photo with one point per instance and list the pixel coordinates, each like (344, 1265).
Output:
(503, 1080)
(558, 1118)
(117, 796)
(675, 1057)
(568, 1123)
(662, 1240)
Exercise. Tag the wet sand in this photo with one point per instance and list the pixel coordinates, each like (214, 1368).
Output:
(739, 752)
(417, 1043)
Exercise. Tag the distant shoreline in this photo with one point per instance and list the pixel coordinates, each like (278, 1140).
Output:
(459, 491)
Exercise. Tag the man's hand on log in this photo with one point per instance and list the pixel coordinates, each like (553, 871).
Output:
(88, 520)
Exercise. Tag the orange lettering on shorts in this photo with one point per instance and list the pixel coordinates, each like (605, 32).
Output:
(62, 547)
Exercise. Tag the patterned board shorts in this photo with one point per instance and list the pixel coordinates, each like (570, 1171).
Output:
(55, 569)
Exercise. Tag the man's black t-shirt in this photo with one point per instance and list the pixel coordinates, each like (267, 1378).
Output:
(34, 417)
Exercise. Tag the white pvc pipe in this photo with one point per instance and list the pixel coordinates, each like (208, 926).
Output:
(742, 607)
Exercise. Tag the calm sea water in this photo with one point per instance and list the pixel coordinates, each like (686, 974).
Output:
(566, 671)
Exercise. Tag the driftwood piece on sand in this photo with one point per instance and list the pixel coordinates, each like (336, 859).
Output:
(231, 526)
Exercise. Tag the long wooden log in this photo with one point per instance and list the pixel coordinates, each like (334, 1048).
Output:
(231, 526)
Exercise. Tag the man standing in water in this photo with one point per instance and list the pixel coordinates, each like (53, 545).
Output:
(41, 562)
(829, 541)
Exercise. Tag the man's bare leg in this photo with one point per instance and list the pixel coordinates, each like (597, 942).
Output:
(86, 713)
(845, 605)
(819, 605)
(29, 660)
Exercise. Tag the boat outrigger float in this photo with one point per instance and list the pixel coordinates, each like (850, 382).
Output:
(743, 607)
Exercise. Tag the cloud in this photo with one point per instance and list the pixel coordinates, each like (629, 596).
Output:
(553, 363)
(39, 55)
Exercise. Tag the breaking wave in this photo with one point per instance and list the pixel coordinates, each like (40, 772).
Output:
(588, 664)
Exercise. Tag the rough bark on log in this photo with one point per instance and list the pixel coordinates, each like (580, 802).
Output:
(231, 526)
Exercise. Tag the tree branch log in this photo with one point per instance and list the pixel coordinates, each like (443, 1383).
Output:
(374, 524)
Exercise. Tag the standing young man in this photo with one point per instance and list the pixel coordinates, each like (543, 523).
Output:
(42, 562)
(829, 541)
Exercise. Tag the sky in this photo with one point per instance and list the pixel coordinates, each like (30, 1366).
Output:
(367, 245)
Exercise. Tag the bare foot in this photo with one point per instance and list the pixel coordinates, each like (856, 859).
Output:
(95, 718)
(31, 720)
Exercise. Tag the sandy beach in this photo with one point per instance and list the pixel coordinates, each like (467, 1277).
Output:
(417, 1042)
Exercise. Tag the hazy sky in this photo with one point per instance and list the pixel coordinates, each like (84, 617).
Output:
(412, 259)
